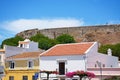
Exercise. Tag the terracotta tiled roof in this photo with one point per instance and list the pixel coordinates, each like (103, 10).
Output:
(2, 50)
(25, 55)
(68, 49)
(23, 42)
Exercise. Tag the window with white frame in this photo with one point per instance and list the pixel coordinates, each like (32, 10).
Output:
(11, 64)
(30, 64)
(61, 66)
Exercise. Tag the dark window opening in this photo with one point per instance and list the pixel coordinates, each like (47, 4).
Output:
(11, 77)
(21, 45)
(25, 78)
(12, 64)
(61, 68)
(34, 78)
(30, 64)
(103, 65)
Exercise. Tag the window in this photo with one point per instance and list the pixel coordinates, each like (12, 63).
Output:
(30, 64)
(111, 66)
(34, 78)
(21, 45)
(61, 68)
(103, 65)
(95, 65)
(25, 78)
(11, 77)
(11, 64)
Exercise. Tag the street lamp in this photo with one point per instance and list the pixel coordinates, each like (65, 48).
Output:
(100, 65)
(84, 57)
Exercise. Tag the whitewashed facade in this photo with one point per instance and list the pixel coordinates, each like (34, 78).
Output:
(89, 58)
(24, 46)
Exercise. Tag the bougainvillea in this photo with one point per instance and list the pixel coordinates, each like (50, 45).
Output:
(81, 74)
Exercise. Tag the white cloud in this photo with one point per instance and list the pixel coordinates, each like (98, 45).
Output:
(19, 25)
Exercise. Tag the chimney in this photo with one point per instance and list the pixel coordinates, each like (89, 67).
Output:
(109, 52)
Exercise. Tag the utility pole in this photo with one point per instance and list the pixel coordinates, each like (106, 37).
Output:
(100, 65)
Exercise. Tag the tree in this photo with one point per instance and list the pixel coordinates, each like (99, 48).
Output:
(44, 42)
(12, 41)
(65, 38)
(37, 37)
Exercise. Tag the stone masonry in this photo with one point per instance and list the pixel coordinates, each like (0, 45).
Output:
(105, 34)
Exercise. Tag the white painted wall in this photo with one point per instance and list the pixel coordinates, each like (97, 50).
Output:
(93, 56)
(104, 59)
(13, 50)
(72, 63)
(33, 46)
(77, 62)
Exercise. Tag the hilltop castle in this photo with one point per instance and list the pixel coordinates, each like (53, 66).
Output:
(105, 34)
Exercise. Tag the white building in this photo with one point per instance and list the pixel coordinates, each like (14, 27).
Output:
(2, 60)
(23, 46)
(76, 56)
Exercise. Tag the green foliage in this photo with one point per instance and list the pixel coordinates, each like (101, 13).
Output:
(65, 38)
(37, 37)
(12, 41)
(115, 49)
(44, 42)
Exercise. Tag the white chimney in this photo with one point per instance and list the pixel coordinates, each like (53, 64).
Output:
(109, 52)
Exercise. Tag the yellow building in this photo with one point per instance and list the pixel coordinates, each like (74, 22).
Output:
(22, 66)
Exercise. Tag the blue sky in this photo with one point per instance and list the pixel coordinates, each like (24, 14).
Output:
(20, 15)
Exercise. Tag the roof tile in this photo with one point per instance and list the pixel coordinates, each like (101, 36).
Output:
(25, 55)
(68, 49)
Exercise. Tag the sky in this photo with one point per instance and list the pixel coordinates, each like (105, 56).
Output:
(20, 15)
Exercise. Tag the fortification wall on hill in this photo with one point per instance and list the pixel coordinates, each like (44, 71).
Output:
(105, 34)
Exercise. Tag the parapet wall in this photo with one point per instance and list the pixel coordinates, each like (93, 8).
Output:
(105, 34)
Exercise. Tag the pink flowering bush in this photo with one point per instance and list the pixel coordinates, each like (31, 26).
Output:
(70, 74)
(81, 74)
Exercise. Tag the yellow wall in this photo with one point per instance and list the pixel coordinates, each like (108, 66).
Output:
(21, 69)
(18, 74)
(22, 64)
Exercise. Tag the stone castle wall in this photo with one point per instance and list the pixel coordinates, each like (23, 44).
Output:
(101, 33)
